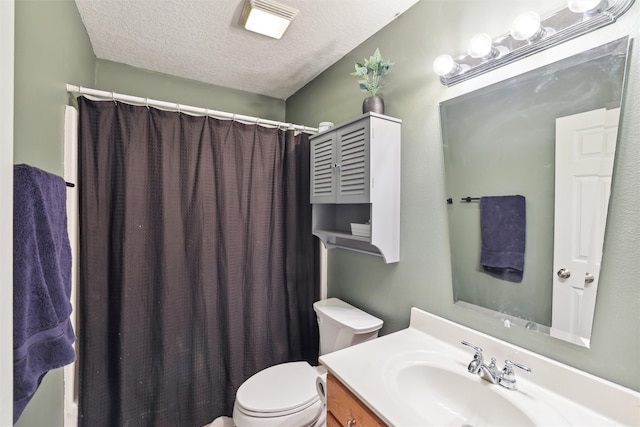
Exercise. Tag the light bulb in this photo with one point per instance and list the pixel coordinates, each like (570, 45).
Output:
(587, 6)
(444, 65)
(481, 46)
(526, 26)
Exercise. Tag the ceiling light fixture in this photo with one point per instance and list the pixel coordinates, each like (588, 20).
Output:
(267, 17)
(530, 34)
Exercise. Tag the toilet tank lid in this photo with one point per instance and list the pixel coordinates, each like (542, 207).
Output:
(347, 315)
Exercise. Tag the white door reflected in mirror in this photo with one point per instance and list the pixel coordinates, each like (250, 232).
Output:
(585, 149)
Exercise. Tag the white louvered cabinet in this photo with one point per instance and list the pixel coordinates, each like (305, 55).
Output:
(355, 177)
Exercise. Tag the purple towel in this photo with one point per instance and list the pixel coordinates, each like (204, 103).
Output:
(42, 332)
(503, 226)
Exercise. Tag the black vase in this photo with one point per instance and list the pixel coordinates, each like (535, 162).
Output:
(373, 104)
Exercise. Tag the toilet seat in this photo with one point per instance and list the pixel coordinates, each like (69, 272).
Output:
(279, 390)
(313, 416)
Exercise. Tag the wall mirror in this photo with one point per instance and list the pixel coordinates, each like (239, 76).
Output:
(548, 135)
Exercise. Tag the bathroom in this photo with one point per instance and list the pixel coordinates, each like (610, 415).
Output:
(52, 48)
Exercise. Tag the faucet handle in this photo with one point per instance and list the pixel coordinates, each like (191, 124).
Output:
(507, 378)
(477, 349)
(508, 364)
(478, 359)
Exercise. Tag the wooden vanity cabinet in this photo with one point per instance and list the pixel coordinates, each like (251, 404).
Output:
(344, 409)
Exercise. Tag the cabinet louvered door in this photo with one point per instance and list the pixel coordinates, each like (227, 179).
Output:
(353, 163)
(323, 169)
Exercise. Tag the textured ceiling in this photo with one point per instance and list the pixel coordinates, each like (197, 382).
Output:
(202, 40)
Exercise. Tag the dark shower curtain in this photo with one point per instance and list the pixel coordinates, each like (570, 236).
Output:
(197, 264)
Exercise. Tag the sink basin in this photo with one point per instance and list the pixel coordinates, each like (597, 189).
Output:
(448, 398)
(418, 377)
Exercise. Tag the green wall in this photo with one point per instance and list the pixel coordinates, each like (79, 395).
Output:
(113, 76)
(52, 49)
(422, 278)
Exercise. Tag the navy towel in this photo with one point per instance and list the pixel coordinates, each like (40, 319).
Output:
(42, 332)
(503, 226)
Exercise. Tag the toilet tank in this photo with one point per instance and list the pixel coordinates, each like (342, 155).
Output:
(342, 325)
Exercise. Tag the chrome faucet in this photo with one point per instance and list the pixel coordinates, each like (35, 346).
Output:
(477, 366)
(505, 377)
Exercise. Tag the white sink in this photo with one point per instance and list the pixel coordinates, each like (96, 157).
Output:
(418, 377)
(448, 398)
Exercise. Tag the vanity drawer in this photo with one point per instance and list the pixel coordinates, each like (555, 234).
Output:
(343, 406)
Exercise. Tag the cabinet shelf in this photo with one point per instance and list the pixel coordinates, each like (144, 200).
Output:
(340, 235)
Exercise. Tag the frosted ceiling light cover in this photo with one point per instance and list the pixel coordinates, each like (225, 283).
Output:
(267, 17)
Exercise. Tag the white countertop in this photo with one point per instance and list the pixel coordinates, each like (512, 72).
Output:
(553, 394)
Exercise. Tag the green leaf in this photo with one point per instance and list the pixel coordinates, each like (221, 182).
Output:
(370, 72)
(376, 56)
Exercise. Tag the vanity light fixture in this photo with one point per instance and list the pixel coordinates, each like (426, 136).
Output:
(587, 7)
(444, 65)
(527, 26)
(267, 17)
(481, 47)
(531, 33)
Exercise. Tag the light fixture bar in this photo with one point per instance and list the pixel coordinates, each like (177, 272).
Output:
(563, 25)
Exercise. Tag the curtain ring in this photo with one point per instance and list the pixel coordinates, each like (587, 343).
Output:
(113, 98)
(257, 120)
(146, 103)
(178, 106)
(233, 118)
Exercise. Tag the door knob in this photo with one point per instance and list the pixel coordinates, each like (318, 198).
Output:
(563, 273)
(589, 278)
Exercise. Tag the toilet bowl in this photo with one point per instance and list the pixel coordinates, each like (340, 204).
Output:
(285, 395)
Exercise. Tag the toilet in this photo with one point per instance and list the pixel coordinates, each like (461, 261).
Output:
(285, 395)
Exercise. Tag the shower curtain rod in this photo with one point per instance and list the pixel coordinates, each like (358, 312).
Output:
(198, 111)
